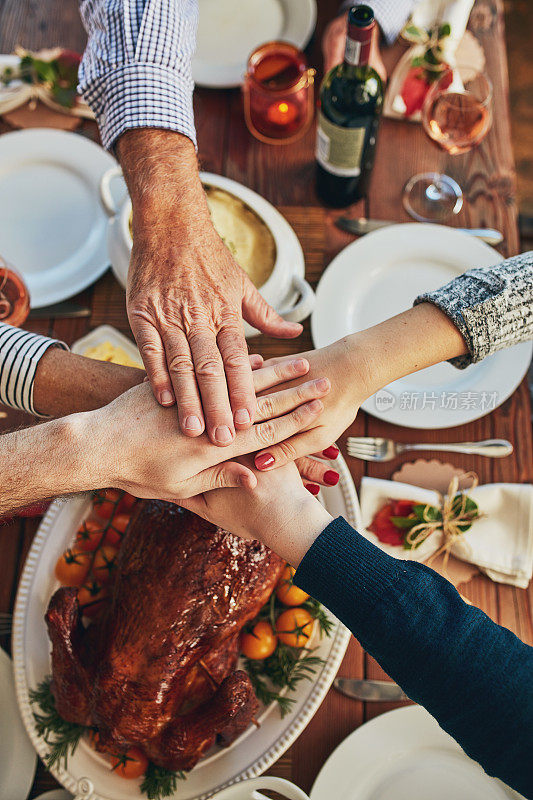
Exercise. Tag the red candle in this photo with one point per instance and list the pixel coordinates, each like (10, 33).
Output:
(282, 113)
(278, 93)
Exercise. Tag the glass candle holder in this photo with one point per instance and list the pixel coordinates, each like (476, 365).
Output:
(278, 93)
(14, 297)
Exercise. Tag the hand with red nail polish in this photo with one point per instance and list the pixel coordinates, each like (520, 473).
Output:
(151, 457)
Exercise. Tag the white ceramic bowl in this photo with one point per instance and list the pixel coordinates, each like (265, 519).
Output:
(286, 290)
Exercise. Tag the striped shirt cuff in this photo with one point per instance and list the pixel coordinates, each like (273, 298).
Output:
(20, 353)
(141, 96)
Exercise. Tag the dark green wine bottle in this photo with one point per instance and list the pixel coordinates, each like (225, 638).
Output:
(351, 98)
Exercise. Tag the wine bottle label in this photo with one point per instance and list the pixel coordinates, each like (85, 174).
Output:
(352, 51)
(339, 150)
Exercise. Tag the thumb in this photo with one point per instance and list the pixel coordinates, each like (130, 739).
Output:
(229, 474)
(258, 313)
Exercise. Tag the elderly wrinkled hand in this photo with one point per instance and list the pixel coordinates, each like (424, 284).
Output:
(187, 296)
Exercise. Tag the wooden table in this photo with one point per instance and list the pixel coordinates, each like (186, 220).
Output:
(284, 175)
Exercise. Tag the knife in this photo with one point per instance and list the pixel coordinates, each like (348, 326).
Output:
(60, 310)
(361, 225)
(381, 691)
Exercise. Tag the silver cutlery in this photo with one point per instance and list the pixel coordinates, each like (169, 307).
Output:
(6, 621)
(366, 690)
(362, 225)
(65, 309)
(370, 448)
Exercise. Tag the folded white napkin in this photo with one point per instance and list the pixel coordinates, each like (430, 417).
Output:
(500, 543)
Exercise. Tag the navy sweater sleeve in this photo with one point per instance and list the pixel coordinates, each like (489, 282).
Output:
(472, 675)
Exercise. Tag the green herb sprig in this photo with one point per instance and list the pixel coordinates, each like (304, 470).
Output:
(159, 782)
(62, 737)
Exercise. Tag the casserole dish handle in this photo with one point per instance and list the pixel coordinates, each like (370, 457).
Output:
(303, 306)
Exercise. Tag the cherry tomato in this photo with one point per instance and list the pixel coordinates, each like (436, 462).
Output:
(402, 508)
(127, 503)
(91, 597)
(260, 642)
(90, 535)
(384, 529)
(116, 529)
(287, 593)
(104, 563)
(131, 764)
(106, 502)
(73, 566)
(294, 627)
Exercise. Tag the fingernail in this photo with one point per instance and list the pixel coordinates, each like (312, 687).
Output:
(313, 488)
(264, 460)
(331, 452)
(300, 365)
(331, 477)
(223, 434)
(242, 416)
(166, 398)
(315, 406)
(322, 384)
(192, 424)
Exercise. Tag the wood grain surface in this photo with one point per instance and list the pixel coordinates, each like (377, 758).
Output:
(284, 175)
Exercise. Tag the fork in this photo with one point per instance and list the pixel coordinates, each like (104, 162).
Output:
(370, 448)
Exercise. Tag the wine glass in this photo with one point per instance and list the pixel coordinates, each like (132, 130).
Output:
(14, 297)
(457, 114)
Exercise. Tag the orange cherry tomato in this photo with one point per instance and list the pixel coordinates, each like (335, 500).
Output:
(131, 764)
(104, 563)
(294, 627)
(90, 535)
(116, 530)
(127, 503)
(260, 642)
(73, 566)
(286, 592)
(106, 502)
(91, 598)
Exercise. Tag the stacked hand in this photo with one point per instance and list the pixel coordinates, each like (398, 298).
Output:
(136, 445)
(187, 296)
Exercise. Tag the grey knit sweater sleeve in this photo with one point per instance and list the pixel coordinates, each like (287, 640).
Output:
(491, 306)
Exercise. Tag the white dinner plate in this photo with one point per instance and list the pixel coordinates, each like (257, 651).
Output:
(53, 228)
(17, 756)
(404, 755)
(88, 773)
(229, 30)
(380, 275)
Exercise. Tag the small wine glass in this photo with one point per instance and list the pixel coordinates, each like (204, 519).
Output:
(14, 296)
(457, 114)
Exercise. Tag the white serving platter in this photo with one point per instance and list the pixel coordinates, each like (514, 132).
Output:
(379, 276)
(88, 775)
(229, 30)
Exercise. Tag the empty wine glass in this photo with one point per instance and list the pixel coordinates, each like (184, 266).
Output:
(457, 114)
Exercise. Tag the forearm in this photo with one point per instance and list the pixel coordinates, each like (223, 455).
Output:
(161, 171)
(57, 457)
(471, 674)
(417, 338)
(66, 383)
